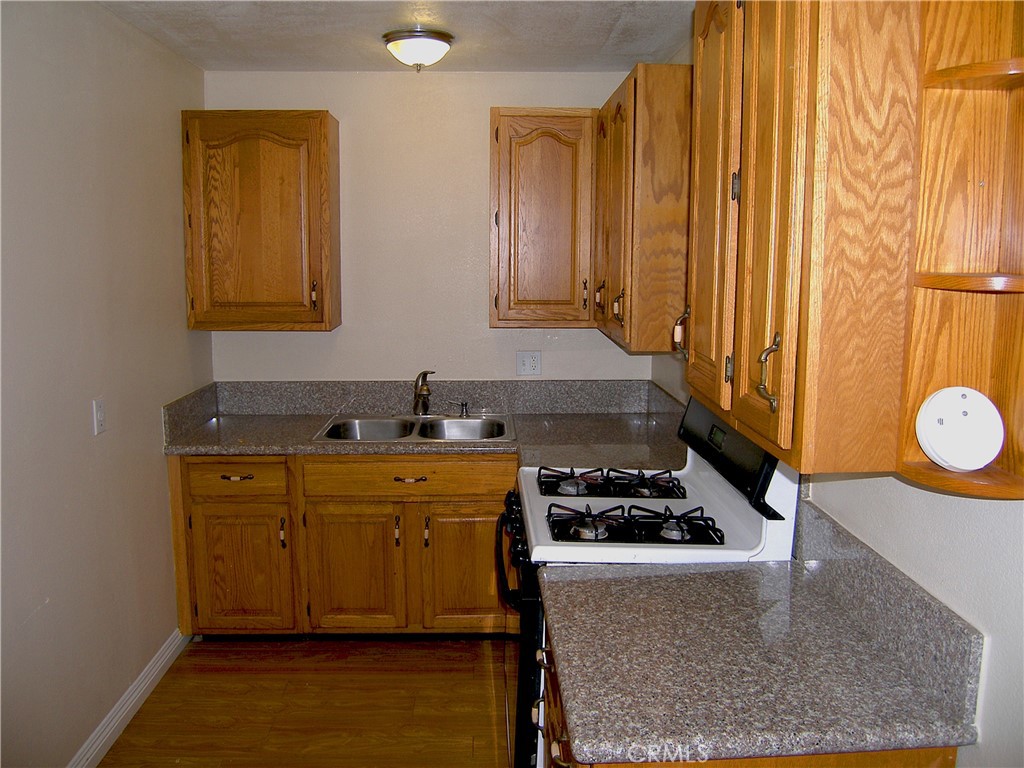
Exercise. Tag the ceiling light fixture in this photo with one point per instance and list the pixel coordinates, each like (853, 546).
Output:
(418, 48)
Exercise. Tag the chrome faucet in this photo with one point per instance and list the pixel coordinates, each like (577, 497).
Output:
(421, 399)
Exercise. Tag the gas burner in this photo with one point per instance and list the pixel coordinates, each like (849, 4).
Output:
(674, 530)
(638, 485)
(590, 530)
(573, 486)
(558, 482)
(689, 527)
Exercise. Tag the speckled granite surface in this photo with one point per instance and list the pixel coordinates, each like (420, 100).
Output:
(837, 654)
(552, 424)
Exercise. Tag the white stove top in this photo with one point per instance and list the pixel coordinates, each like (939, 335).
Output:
(748, 534)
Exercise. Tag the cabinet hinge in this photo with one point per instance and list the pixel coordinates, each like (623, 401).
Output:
(736, 186)
(190, 221)
(495, 218)
(309, 612)
(195, 609)
(190, 522)
(303, 519)
(728, 368)
(192, 306)
(495, 134)
(495, 301)
(186, 137)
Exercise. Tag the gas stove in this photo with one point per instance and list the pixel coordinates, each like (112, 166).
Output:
(730, 502)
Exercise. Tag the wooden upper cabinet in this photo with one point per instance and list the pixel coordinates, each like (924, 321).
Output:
(966, 320)
(262, 207)
(826, 203)
(774, 170)
(541, 201)
(643, 198)
(718, 78)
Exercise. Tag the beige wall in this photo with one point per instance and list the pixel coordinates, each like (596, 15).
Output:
(93, 305)
(969, 554)
(415, 230)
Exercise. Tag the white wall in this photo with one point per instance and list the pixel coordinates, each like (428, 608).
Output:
(969, 554)
(415, 230)
(93, 305)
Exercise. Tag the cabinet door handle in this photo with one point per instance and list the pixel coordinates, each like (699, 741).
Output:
(420, 479)
(677, 333)
(762, 388)
(237, 478)
(398, 532)
(617, 307)
(312, 295)
(598, 303)
(585, 294)
(284, 544)
(426, 531)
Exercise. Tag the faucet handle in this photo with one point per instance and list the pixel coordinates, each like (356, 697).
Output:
(421, 380)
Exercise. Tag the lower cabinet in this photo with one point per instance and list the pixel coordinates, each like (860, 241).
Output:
(338, 543)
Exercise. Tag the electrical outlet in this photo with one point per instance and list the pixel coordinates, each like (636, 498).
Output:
(99, 416)
(527, 363)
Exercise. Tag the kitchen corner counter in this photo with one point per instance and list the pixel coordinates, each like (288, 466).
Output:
(721, 661)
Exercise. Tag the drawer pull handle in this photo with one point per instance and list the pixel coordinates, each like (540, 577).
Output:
(762, 388)
(535, 714)
(542, 659)
(237, 478)
(420, 479)
(426, 532)
(398, 532)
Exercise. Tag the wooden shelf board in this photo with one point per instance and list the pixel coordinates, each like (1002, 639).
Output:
(981, 282)
(1005, 74)
(990, 482)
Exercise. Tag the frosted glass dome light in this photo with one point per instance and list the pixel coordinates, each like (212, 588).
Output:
(418, 47)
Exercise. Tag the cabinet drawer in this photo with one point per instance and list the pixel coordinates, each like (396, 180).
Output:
(237, 478)
(401, 477)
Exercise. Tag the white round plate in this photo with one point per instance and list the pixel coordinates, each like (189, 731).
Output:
(960, 429)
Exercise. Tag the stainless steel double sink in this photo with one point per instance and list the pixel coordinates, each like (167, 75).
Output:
(378, 428)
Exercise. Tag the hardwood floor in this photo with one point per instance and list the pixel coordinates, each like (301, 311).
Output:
(316, 702)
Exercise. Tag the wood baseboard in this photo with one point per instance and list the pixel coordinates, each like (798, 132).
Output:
(106, 733)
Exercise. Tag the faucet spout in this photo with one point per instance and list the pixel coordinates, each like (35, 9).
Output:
(421, 396)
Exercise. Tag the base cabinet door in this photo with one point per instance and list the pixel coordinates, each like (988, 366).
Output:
(355, 565)
(460, 585)
(244, 572)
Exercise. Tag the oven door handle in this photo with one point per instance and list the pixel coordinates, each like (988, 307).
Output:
(508, 595)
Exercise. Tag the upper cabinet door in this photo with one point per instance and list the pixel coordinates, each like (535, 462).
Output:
(541, 199)
(261, 220)
(777, 110)
(714, 209)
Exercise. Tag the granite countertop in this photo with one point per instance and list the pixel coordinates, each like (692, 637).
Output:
(698, 662)
(635, 424)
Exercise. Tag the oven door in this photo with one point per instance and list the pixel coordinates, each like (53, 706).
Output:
(524, 682)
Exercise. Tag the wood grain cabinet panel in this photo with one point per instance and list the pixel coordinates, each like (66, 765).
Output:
(542, 202)
(643, 200)
(966, 317)
(262, 207)
(235, 543)
(823, 197)
(356, 565)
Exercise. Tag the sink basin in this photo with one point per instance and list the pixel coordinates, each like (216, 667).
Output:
(462, 428)
(370, 429)
(378, 428)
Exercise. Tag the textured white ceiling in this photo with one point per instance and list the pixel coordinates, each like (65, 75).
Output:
(345, 35)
